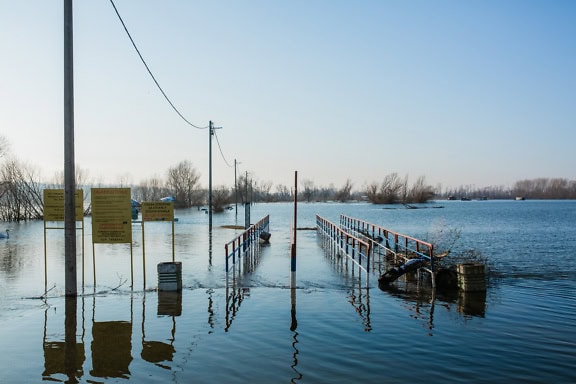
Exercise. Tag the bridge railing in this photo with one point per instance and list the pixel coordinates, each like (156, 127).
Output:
(356, 249)
(245, 243)
(400, 245)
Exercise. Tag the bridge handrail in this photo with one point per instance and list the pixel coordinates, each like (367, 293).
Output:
(344, 240)
(241, 243)
(400, 241)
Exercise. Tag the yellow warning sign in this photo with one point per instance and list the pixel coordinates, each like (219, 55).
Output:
(111, 215)
(157, 211)
(54, 205)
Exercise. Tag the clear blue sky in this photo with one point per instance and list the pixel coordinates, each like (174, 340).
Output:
(474, 93)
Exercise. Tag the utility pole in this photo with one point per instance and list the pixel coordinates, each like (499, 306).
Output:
(210, 133)
(211, 129)
(69, 171)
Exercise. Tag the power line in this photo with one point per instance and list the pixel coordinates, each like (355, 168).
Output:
(149, 71)
(220, 148)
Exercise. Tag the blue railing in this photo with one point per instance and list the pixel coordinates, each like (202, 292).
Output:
(243, 244)
(400, 245)
(356, 249)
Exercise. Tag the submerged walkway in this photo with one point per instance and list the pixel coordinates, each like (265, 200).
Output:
(377, 249)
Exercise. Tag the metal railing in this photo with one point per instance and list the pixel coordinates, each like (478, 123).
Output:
(356, 249)
(246, 244)
(390, 242)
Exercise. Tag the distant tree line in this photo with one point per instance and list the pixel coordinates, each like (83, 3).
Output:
(540, 188)
(543, 188)
(21, 190)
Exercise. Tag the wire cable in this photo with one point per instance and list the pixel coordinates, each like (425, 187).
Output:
(220, 148)
(150, 72)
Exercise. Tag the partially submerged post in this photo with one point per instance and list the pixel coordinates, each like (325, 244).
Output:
(471, 277)
(69, 171)
(293, 245)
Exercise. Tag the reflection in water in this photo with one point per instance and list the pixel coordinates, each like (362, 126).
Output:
(111, 349)
(362, 306)
(169, 303)
(111, 346)
(247, 262)
(10, 260)
(234, 297)
(156, 352)
(293, 326)
(472, 303)
(210, 310)
(359, 293)
(420, 302)
(64, 357)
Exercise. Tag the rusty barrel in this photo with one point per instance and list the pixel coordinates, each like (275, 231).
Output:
(471, 277)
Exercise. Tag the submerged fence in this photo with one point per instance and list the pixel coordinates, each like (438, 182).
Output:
(355, 249)
(391, 243)
(245, 246)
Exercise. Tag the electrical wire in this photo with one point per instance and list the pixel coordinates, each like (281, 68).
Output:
(150, 72)
(220, 148)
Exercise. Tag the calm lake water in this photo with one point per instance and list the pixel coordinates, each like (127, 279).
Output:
(331, 329)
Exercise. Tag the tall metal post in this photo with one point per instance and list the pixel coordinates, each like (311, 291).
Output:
(293, 249)
(235, 186)
(210, 133)
(69, 171)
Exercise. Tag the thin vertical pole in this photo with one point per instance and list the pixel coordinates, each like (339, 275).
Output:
(45, 262)
(94, 263)
(173, 254)
(69, 171)
(293, 250)
(235, 186)
(144, 254)
(210, 132)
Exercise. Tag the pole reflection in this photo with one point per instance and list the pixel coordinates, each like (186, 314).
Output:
(64, 358)
(293, 326)
(111, 347)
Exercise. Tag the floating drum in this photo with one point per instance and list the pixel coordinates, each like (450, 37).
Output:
(170, 276)
(265, 237)
(471, 277)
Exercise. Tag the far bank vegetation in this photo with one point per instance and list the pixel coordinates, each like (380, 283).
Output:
(21, 189)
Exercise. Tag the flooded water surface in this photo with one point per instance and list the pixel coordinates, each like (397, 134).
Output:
(332, 328)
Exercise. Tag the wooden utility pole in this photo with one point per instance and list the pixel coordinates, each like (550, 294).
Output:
(69, 171)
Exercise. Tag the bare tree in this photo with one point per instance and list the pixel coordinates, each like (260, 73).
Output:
(389, 191)
(4, 146)
(309, 189)
(264, 191)
(245, 186)
(152, 189)
(345, 193)
(283, 193)
(420, 192)
(20, 192)
(221, 197)
(183, 183)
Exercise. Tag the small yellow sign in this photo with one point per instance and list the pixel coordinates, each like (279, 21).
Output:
(111, 215)
(157, 211)
(54, 205)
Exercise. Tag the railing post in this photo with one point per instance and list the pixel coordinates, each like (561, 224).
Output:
(226, 250)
